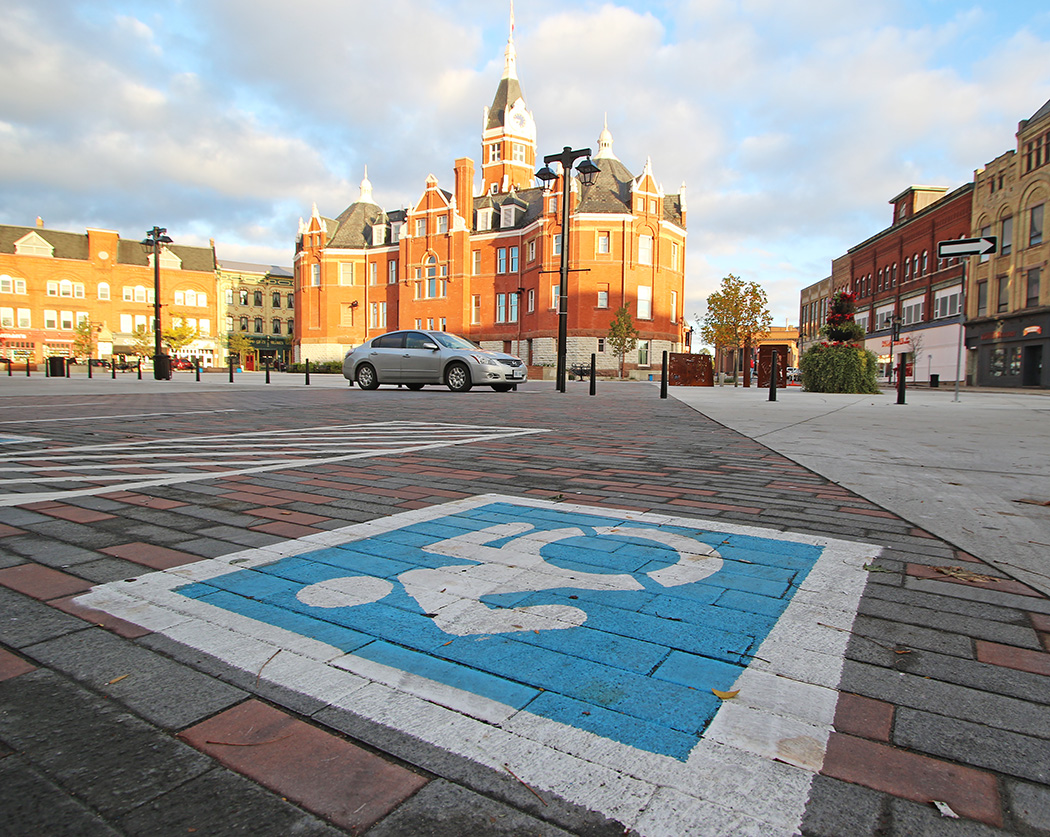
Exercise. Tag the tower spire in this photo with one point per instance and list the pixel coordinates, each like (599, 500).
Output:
(510, 58)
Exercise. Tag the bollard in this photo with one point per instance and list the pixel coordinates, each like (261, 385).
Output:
(197, 367)
(594, 387)
(89, 368)
(901, 381)
(68, 370)
(267, 364)
(773, 377)
(663, 377)
(308, 371)
(27, 368)
(113, 367)
(231, 370)
(139, 365)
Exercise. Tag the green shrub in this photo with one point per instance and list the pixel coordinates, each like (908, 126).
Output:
(328, 368)
(839, 367)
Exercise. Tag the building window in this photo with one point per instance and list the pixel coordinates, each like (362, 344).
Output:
(373, 273)
(513, 259)
(346, 273)
(378, 234)
(275, 299)
(244, 323)
(494, 152)
(1035, 231)
(603, 243)
(674, 255)
(913, 311)
(603, 295)
(275, 326)
(256, 299)
(601, 345)
(291, 301)
(552, 204)
(556, 248)
(531, 250)
(258, 325)
(946, 303)
(7, 317)
(18, 286)
(484, 219)
(555, 292)
(982, 298)
(645, 302)
(103, 290)
(674, 306)
(229, 324)
(315, 281)
(513, 315)
(395, 232)
(501, 308)
(442, 223)
(645, 249)
(1006, 239)
(1003, 300)
(377, 315)
(421, 226)
(532, 300)
(52, 290)
(508, 216)
(475, 309)
(984, 233)
(51, 320)
(391, 272)
(1005, 363)
(242, 295)
(644, 350)
(291, 327)
(65, 288)
(501, 260)
(65, 320)
(1032, 295)
(519, 152)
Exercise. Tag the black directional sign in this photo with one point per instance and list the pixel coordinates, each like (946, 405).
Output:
(967, 247)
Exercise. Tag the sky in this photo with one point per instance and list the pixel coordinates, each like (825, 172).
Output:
(792, 123)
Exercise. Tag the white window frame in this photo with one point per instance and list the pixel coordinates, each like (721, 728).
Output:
(645, 302)
(645, 249)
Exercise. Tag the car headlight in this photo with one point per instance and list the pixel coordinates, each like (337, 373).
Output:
(485, 360)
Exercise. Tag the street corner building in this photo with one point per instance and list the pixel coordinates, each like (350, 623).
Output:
(484, 261)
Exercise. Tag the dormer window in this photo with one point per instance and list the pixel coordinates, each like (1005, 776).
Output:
(484, 219)
(33, 244)
(395, 232)
(378, 234)
(508, 216)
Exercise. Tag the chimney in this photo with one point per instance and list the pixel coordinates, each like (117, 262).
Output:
(464, 189)
(39, 222)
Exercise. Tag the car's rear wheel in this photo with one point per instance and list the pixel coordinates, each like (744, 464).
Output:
(414, 386)
(366, 376)
(457, 377)
(503, 387)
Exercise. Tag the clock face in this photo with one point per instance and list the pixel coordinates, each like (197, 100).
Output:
(519, 119)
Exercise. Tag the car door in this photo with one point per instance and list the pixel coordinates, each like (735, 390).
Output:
(385, 356)
(420, 361)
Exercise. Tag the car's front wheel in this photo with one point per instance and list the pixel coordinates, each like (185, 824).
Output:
(366, 376)
(457, 377)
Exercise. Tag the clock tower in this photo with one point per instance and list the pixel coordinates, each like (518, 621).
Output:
(508, 142)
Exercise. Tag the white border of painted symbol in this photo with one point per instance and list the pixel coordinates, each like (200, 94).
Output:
(750, 773)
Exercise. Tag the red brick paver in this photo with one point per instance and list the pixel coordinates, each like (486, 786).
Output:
(1003, 585)
(77, 514)
(1009, 656)
(864, 717)
(42, 582)
(97, 617)
(154, 557)
(12, 666)
(322, 772)
(970, 793)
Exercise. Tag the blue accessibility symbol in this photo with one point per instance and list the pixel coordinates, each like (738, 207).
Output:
(618, 627)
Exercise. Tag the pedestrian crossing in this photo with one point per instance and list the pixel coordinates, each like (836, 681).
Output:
(40, 474)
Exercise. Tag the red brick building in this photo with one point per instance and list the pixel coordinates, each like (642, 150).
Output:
(483, 262)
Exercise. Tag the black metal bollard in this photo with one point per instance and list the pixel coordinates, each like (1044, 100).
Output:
(113, 368)
(901, 381)
(308, 371)
(197, 367)
(139, 367)
(594, 387)
(773, 377)
(89, 368)
(67, 369)
(267, 364)
(663, 377)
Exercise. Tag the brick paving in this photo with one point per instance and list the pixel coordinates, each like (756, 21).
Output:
(943, 696)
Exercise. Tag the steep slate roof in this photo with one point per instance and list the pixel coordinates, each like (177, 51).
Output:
(1043, 112)
(611, 190)
(508, 92)
(75, 246)
(251, 267)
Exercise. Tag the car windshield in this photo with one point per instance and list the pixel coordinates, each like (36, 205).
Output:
(453, 341)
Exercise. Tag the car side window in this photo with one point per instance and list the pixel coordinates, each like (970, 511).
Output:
(415, 340)
(389, 341)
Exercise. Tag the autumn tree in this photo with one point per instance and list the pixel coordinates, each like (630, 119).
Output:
(84, 340)
(623, 336)
(179, 335)
(142, 342)
(238, 344)
(736, 313)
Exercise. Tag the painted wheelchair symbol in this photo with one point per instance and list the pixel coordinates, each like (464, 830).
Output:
(452, 594)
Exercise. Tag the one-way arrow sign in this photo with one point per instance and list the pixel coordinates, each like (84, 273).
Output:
(967, 247)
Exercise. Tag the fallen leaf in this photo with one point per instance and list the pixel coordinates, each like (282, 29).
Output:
(726, 695)
(966, 575)
(117, 679)
(875, 568)
(944, 810)
(1034, 502)
(447, 643)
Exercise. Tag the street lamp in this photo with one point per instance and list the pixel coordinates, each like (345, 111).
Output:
(153, 241)
(587, 171)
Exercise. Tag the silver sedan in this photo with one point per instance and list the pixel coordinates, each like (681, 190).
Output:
(418, 358)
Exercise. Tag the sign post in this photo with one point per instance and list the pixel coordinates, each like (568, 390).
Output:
(955, 249)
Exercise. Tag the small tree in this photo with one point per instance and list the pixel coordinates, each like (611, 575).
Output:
(840, 365)
(736, 313)
(238, 344)
(142, 342)
(841, 327)
(84, 340)
(180, 336)
(623, 336)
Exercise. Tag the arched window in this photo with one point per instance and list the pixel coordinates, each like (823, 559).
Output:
(103, 290)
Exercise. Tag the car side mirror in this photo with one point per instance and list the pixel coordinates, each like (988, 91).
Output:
(432, 346)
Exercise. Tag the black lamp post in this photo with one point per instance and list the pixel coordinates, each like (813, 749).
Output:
(153, 241)
(587, 171)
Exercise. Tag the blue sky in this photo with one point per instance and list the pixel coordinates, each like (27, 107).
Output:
(791, 123)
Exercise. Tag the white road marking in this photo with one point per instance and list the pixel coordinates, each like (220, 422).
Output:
(132, 466)
(110, 418)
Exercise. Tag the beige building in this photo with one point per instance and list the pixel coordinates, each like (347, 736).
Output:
(258, 301)
(1008, 292)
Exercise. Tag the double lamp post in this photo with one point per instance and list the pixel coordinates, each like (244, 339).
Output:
(587, 171)
(152, 243)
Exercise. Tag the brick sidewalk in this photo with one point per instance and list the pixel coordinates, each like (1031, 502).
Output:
(112, 727)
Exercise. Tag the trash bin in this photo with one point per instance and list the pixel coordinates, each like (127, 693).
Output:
(935, 380)
(162, 368)
(56, 367)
